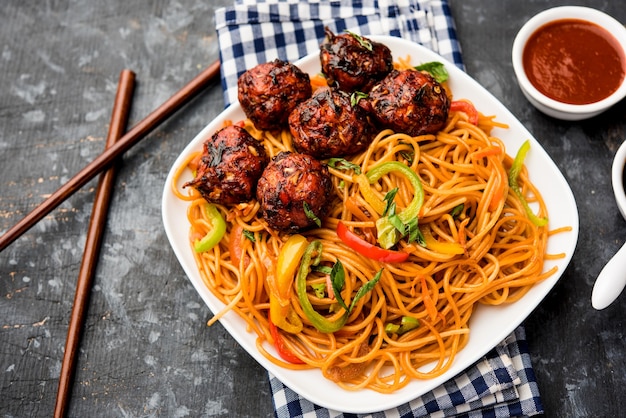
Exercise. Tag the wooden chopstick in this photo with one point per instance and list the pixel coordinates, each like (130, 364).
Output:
(138, 132)
(97, 223)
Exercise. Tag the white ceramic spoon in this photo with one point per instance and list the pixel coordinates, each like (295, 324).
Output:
(612, 278)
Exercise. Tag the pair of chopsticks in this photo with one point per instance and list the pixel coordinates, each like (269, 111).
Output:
(116, 145)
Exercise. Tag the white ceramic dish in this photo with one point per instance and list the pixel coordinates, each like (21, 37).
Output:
(550, 106)
(489, 325)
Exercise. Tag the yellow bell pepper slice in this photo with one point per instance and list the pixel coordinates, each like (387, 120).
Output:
(441, 247)
(281, 311)
(368, 194)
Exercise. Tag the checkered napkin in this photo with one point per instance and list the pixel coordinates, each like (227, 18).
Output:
(253, 32)
(502, 383)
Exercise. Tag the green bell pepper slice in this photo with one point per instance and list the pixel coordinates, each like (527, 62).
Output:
(311, 257)
(516, 167)
(214, 236)
(387, 231)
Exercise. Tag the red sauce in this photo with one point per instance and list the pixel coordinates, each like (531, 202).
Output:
(574, 61)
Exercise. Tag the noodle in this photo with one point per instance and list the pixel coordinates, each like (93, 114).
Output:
(501, 258)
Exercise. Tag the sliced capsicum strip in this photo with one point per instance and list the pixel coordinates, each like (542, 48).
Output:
(214, 236)
(467, 108)
(406, 324)
(368, 194)
(440, 247)
(281, 311)
(279, 343)
(386, 230)
(516, 167)
(415, 205)
(363, 247)
(311, 257)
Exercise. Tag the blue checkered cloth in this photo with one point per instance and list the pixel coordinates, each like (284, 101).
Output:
(502, 383)
(253, 32)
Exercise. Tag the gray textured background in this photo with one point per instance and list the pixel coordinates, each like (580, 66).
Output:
(146, 350)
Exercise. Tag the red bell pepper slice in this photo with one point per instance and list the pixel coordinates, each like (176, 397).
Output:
(235, 246)
(467, 108)
(279, 343)
(363, 247)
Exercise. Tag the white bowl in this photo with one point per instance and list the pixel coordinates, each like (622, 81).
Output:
(550, 106)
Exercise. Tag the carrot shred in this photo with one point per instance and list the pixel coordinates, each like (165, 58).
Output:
(429, 304)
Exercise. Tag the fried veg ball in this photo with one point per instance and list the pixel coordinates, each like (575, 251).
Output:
(328, 125)
(270, 91)
(410, 101)
(290, 182)
(354, 63)
(231, 163)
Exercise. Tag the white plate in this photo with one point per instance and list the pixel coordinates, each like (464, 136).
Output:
(489, 325)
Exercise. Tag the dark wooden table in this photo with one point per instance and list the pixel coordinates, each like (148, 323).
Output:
(146, 350)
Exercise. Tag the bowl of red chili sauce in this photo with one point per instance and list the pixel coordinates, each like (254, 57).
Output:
(570, 62)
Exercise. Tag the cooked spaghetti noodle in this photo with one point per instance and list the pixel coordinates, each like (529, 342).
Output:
(481, 248)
